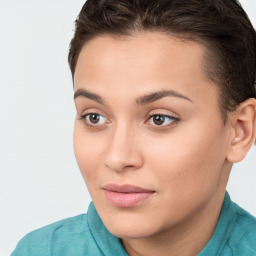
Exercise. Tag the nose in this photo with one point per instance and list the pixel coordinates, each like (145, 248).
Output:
(123, 150)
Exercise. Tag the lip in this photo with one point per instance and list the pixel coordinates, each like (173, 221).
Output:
(126, 195)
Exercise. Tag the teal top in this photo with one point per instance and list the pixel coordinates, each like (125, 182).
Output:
(85, 234)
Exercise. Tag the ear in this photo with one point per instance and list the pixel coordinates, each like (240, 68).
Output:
(243, 130)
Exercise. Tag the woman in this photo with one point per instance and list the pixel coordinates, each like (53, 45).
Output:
(165, 99)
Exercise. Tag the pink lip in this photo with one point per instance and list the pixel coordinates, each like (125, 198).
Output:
(125, 195)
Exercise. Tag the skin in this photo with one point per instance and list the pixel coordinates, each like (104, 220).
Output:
(187, 163)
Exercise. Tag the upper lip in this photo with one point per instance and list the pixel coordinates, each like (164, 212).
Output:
(125, 188)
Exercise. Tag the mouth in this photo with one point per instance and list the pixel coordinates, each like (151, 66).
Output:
(125, 196)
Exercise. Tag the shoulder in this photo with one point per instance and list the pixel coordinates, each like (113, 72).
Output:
(243, 239)
(40, 241)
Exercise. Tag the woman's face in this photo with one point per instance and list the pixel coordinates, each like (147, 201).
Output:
(148, 117)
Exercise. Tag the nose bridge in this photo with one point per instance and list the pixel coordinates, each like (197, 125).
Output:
(122, 148)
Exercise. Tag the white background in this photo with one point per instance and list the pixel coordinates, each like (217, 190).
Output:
(39, 180)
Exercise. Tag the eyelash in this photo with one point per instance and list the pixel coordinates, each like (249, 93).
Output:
(90, 126)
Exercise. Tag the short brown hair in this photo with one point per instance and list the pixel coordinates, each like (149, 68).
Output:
(222, 26)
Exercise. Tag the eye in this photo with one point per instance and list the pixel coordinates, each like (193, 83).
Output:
(93, 119)
(162, 120)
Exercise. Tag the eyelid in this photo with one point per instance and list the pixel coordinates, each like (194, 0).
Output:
(93, 111)
(163, 112)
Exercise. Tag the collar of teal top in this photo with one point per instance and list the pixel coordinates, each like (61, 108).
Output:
(112, 245)
(108, 243)
(223, 229)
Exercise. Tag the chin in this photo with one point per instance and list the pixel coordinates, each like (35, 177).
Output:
(128, 232)
(130, 226)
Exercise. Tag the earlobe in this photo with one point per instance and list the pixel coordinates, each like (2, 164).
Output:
(243, 131)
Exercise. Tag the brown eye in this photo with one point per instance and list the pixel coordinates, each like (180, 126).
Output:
(94, 118)
(158, 120)
(162, 120)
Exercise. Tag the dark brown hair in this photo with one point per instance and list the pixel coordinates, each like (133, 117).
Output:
(222, 26)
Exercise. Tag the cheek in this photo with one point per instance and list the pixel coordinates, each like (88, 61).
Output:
(188, 161)
(87, 151)
(187, 174)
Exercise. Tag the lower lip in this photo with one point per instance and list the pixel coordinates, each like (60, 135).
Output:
(126, 200)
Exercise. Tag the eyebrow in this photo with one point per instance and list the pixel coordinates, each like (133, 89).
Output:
(154, 96)
(142, 100)
(89, 95)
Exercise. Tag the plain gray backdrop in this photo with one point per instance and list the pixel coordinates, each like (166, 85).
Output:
(40, 182)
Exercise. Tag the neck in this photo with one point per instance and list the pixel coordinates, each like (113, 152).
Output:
(186, 239)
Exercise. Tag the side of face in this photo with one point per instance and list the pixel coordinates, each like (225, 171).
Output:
(182, 158)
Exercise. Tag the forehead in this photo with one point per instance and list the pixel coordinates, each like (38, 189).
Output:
(147, 49)
(141, 63)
